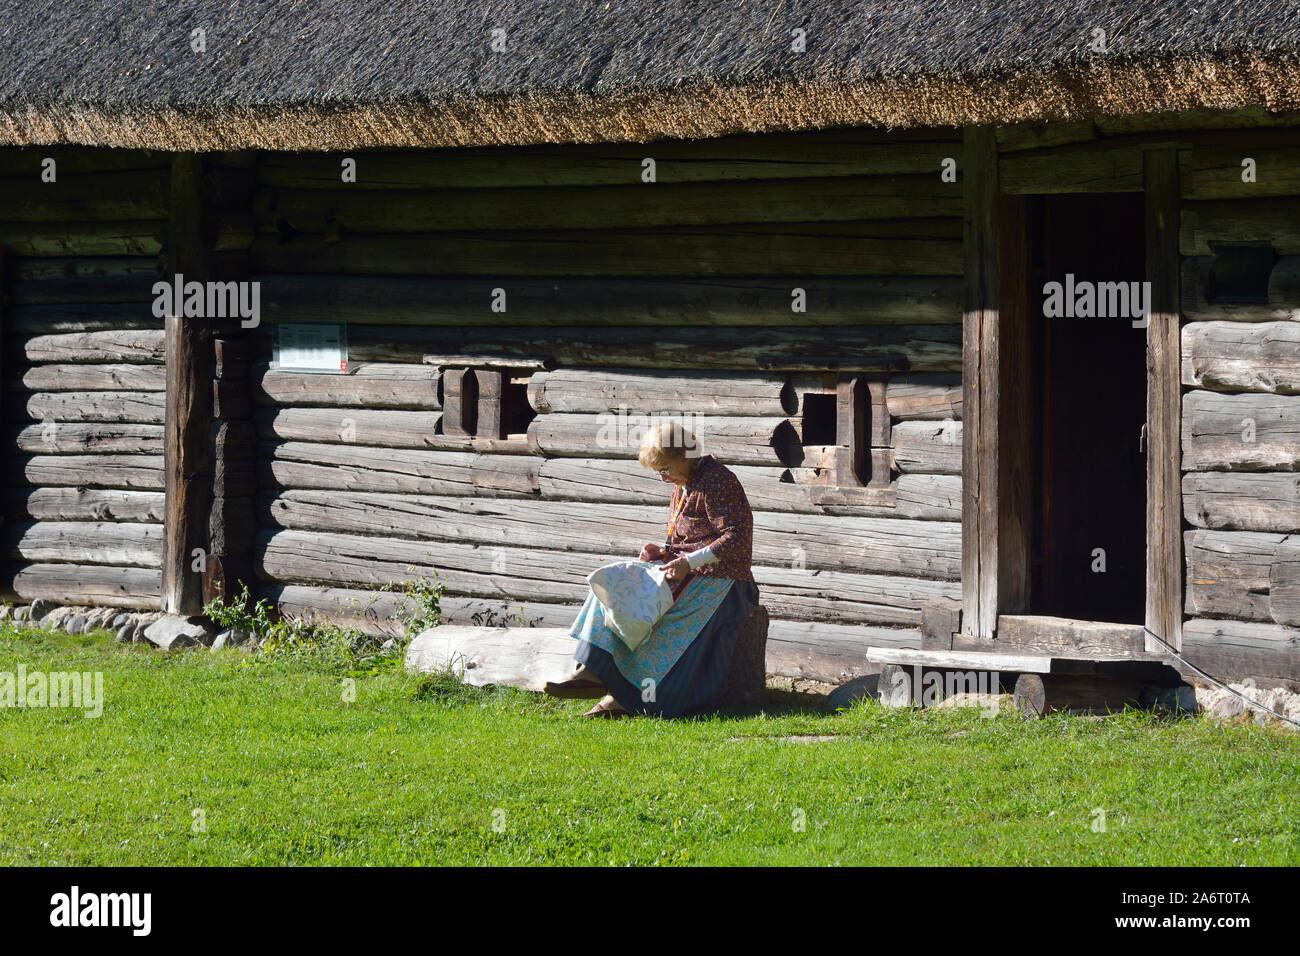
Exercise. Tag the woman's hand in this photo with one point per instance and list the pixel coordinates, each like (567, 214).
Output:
(676, 570)
(651, 552)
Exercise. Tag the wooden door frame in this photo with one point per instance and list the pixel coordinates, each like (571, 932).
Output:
(995, 372)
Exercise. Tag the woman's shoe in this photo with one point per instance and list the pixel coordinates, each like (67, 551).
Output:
(574, 688)
(610, 710)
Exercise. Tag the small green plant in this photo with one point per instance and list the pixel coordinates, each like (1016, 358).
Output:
(279, 637)
(241, 614)
(420, 605)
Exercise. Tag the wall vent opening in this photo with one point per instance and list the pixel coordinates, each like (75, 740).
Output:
(1239, 272)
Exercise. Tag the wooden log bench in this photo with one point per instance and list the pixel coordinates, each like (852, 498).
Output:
(528, 657)
(1044, 683)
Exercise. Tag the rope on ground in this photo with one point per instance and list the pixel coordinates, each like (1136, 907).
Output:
(1216, 681)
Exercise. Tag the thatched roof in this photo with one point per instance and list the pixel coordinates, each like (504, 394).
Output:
(311, 74)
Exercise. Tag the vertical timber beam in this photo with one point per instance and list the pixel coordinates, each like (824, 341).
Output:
(995, 365)
(979, 573)
(1014, 433)
(1164, 592)
(187, 462)
(4, 463)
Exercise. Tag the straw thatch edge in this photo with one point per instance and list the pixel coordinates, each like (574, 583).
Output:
(1103, 89)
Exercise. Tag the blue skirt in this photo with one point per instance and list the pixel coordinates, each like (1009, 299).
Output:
(696, 681)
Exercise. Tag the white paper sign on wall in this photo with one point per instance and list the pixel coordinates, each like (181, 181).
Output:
(311, 347)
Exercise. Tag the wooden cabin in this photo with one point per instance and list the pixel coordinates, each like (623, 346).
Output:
(825, 235)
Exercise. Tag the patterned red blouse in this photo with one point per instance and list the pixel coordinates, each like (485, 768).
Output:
(711, 511)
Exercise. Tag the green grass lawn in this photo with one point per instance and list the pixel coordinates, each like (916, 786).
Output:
(283, 770)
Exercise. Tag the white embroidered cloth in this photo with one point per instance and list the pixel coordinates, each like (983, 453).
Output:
(634, 595)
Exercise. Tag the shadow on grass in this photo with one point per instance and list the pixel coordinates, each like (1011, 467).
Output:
(447, 688)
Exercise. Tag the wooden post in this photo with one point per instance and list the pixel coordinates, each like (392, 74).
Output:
(1164, 595)
(4, 464)
(188, 413)
(995, 355)
(491, 387)
(459, 402)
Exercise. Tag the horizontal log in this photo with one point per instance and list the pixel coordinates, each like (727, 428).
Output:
(1240, 357)
(119, 238)
(1076, 168)
(619, 301)
(394, 470)
(1038, 134)
(887, 546)
(499, 475)
(1228, 572)
(99, 279)
(299, 557)
(92, 471)
(396, 429)
(1235, 650)
(144, 408)
(919, 348)
(1283, 297)
(627, 482)
(105, 586)
(925, 397)
(57, 438)
(86, 377)
(1242, 501)
(127, 195)
(373, 385)
(1249, 123)
(85, 504)
(117, 345)
(752, 441)
(1275, 220)
(379, 612)
(126, 543)
(28, 162)
(62, 318)
(1038, 695)
(860, 247)
(932, 497)
(850, 152)
(628, 206)
(928, 447)
(1056, 636)
(830, 653)
(838, 597)
(1240, 432)
(1215, 171)
(592, 390)
(1284, 585)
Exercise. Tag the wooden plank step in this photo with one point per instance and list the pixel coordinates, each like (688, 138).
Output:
(1016, 661)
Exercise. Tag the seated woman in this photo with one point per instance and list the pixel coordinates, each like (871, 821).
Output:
(681, 666)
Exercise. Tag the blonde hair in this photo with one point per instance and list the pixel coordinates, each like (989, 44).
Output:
(666, 443)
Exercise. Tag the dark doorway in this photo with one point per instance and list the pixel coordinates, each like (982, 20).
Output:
(1088, 401)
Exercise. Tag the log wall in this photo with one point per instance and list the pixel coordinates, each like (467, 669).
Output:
(1241, 412)
(84, 376)
(615, 300)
